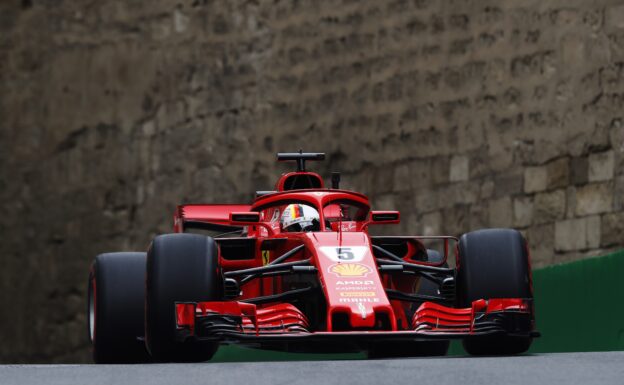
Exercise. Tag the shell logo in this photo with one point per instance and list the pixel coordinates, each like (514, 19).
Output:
(349, 270)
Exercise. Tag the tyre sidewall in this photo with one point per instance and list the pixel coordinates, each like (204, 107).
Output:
(116, 281)
(180, 268)
(493, 263)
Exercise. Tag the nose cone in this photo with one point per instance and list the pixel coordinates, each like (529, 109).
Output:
(351, 283)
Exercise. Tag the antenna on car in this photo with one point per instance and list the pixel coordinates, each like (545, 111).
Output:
(300, 157)
(335, 179)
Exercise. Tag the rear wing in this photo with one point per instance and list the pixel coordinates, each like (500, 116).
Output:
(212, 217)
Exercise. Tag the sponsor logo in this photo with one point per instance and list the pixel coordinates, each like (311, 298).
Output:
(349, 270)
(355, 285)
(357, 299)
(355, 282)
(348, 226)
(276, 216)
(345, 254)
(358, 294)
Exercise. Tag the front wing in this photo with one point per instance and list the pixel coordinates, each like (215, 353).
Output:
(247, 323)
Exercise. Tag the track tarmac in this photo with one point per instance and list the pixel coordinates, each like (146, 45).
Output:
(556, 368)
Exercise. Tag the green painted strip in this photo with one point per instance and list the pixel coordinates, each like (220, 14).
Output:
(579, 307)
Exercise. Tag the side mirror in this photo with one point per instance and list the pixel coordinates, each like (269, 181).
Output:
(245, 218)
(384, 217)
(250, 218)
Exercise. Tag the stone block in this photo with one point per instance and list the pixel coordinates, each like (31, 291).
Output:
(593, 231)
(612, 229)
(578, 234)
(535, 179)
(426, 201)
(148, 128)
(458, 193)
(618, 193)
(558, 173)
(601, 166)
(402, 178)
(180, 21)
(383, 180)
(431, 223)
(479, 216)
(615, 17)
(541, 240)
(384, 202)
(549, 206)
(509, 183)
(579, 170)
(456, 219)
(571, 234)
(594, 198)
(500, 212)
(616, 137)
(573, 51)
(420, 173)
(571, 202)
(487, 189)
(619, 162)
(522, 211)
(440, 169)
(459, 169)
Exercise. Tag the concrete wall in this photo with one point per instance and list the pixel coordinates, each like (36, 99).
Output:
(462, 114)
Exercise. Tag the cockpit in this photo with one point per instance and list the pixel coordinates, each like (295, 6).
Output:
(304, 216)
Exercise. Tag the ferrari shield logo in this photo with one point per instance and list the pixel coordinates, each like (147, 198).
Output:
(266, 257)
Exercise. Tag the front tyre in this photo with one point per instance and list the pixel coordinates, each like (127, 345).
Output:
(115, 308)
(493, 263)
(180, 268)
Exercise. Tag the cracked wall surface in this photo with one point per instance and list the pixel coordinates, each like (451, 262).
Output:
(461, 114)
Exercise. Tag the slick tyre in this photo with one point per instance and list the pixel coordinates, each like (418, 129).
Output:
(180, 268)
(414, 348)
(115, 308)
(493, 263)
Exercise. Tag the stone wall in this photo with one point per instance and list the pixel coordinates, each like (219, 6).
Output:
(461, 114)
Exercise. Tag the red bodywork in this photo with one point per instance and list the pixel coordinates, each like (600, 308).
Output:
(355, 301)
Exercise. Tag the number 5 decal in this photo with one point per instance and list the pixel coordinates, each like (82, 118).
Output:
(344, 253)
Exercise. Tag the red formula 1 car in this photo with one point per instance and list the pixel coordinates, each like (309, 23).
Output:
(297, 270)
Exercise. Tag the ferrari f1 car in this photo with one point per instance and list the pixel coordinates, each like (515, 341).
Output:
(297, 270)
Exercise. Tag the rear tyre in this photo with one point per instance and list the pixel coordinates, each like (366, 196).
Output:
(414, 348)
(493, 263)
(180, 268)
(115, 308)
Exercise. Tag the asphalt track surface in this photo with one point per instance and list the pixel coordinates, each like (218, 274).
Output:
(559, 368)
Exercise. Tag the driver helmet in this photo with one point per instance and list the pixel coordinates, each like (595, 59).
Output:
(298, 217)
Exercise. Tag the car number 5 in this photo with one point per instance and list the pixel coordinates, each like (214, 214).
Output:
(344, 253)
